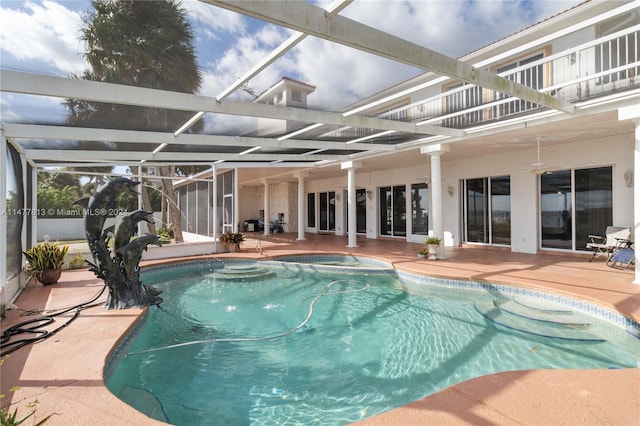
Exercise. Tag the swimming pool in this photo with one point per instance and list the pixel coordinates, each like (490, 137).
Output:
(300, 345)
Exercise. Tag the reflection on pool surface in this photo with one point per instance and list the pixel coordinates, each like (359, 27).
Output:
(299, 346)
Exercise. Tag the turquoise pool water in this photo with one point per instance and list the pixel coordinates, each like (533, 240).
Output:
(275, 344)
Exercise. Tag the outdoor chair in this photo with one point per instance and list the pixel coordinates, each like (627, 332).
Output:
(607, 244)
(276, 227)
(623, 255)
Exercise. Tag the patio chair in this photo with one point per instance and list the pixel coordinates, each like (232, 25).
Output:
(623, 255)
(607, 244)
(275, 226)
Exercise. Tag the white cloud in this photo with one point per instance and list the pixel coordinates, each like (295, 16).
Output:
(45, 32)
(216, 19)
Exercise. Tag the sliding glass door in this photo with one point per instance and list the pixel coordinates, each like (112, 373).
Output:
(393, 211)
(487, 210)
(327, 211)
(573, 205)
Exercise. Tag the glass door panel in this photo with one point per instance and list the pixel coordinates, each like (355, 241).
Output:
(501, 210)
(555, 205)
(393, 211)
(476, 210)
(594, 203)
(419, 209)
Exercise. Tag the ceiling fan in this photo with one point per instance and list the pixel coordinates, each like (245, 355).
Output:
(538, 167)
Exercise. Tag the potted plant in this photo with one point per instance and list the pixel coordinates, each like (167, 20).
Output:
(422, 254)
(45, 261)
(232, 240)
(432, 246)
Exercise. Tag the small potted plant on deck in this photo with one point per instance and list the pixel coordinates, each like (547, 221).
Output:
(432, 246)
(232, 240)
(422, 254)
(45, 261)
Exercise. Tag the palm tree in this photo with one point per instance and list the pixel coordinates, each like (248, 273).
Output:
(139, 43)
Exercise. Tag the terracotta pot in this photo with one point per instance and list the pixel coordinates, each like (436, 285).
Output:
(50, 276)
(233, 248)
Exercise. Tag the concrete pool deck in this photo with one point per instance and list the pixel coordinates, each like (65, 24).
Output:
(64, 373)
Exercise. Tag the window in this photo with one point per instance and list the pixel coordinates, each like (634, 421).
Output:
(575, 204)
(225, 201)
(361, 211)
(393, 211)
(311, 210)
(487, 207)
(419, 209)
(327, 211)
(296, 95)
(531, 77)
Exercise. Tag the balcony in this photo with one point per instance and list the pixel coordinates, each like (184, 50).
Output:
(604, 66)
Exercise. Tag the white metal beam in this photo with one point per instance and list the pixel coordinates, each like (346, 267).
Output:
(44, 85)
(34, 131)
(310, 19)
(136, 156)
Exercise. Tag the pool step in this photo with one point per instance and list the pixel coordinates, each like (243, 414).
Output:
(542, 305)
(543, 315)
(239, 273)
(536, 322)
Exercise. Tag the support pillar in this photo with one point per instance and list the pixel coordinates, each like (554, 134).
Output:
(236, 202)
(633, 113)
(34, 205)
(351, 201)
(214, 207)
(636, 201)
(436, 215)
(266, 208)
(3, 211)
(301, 215)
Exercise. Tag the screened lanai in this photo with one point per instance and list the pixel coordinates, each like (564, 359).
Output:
(567, 80)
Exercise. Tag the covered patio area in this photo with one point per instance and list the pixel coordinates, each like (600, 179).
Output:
(65, 372)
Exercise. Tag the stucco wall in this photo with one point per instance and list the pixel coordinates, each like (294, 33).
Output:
(616, 151)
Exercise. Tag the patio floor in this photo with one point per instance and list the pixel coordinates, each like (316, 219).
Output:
(64, 372)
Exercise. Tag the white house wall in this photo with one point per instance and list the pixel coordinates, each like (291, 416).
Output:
(282, 199)
(616, 151)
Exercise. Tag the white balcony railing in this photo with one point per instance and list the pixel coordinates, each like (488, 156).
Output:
(597, 68)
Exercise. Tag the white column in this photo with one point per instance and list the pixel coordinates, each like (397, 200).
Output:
(3, 211)
(436, 215)
(34, 204)
(214, 206)
(636, 203)
(266, 208)
(633, 113)
(351, 201)
(301, 216)
(236, 202)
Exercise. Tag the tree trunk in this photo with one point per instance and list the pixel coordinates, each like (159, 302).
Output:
(174, 212)
(146, 204)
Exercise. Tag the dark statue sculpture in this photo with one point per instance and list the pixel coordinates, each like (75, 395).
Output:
(120, 271)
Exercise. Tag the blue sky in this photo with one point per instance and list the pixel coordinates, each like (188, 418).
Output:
(43, 37)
